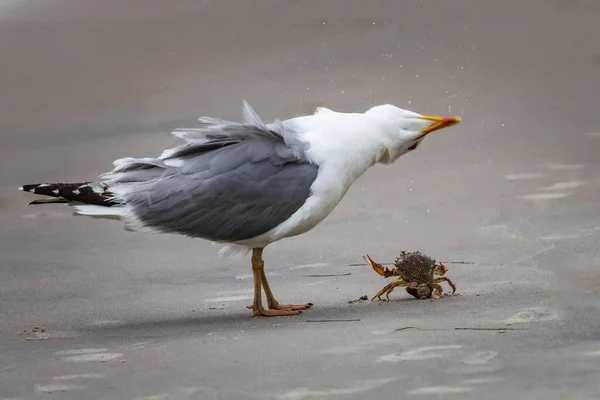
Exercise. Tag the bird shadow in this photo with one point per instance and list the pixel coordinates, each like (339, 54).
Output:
(204, 322)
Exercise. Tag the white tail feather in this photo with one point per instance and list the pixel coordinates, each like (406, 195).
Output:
(91, 210)
(230, 250)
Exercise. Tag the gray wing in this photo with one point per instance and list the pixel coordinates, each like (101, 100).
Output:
(228, 182)
(216, 133)
(229, 194)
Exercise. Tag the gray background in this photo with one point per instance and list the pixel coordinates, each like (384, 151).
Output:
(514, 188)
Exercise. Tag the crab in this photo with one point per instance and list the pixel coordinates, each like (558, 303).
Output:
(416, 272)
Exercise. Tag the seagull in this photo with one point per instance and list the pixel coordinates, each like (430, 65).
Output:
(245, 185)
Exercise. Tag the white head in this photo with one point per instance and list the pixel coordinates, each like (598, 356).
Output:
(403, 130)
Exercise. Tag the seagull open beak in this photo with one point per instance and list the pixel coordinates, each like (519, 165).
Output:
(438, 123)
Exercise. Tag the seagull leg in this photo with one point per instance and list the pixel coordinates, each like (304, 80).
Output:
(273, 303)
(258, 272)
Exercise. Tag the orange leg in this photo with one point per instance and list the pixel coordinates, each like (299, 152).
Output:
(436, 290)
(273, 303)
(387, 289)
(442, 279)
(260, 280)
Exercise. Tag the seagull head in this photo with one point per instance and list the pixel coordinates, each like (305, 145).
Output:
(403, 130)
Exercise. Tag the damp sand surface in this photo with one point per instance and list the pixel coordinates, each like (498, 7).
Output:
(89, 310)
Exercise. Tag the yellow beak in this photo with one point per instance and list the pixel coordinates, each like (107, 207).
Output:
(438, 123)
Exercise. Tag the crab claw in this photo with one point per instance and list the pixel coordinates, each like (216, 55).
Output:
(380, 269)
(440, 269)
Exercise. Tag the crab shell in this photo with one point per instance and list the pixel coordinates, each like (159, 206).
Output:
(412, 267)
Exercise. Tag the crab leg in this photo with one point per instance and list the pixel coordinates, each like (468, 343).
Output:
(436, 290)
(442, 279)
(387, 289)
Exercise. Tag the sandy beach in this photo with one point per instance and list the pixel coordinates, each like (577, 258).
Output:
(88, 310)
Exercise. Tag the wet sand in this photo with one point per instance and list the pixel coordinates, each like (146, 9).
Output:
(514, 189)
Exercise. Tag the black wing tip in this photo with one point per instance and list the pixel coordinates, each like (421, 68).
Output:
(29, 187)
(49, 201)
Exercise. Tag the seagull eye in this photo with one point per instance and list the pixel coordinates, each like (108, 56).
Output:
(414, 146)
